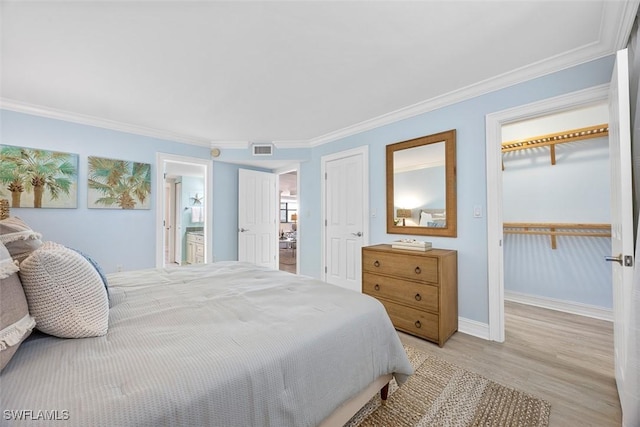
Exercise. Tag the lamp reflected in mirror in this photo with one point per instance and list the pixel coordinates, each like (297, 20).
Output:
(404, 214)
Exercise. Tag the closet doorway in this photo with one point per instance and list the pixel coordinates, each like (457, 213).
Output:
(556, 211)
(495, 203)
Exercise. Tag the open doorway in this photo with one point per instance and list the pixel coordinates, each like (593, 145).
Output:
(184, 216)
(288, 216)
(495, 214)
(556, 211)
(184, 222)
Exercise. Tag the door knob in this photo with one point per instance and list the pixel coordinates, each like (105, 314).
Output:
(242, 230)
(626, 260)
(359, 234)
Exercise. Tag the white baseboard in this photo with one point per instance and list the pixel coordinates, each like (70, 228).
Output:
(560, 305)
(473, 327)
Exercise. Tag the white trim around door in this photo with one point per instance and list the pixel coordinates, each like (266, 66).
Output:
(494, 123)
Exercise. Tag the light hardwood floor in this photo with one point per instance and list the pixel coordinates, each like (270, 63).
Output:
(562, 358)
(288, 260)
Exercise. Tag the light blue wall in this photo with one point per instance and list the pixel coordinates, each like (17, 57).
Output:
(575, 190)
(129, 238)
(112, 237)
(468, 118)
(225, 211)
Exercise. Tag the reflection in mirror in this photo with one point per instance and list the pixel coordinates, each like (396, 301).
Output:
(421, 197)
(415, 203)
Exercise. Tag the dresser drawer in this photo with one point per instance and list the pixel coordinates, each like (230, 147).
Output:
(412, 320)
(402, 265)
(422, 297)
(199, 250)
(195, 238)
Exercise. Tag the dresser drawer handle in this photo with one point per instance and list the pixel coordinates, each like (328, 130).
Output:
(376, 287)
(418, 297)
(376, 263)
(418, 324)
(418, 271)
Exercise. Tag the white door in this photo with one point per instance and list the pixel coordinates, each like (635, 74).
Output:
(178, 237)
(257, 218)
(346, 210)
(621, 217)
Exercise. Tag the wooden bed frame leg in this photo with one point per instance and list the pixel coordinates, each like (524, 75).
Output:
(384, 393)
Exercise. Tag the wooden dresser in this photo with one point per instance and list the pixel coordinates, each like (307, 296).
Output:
(418, 289)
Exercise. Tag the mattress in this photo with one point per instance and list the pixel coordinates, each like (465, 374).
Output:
(222, 344)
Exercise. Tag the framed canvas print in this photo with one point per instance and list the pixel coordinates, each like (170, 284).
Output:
(35, 178)
(118, 184)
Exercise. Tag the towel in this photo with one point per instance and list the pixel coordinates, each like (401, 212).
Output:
(197, 214)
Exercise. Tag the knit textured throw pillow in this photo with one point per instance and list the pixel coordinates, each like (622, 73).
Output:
(65, 293)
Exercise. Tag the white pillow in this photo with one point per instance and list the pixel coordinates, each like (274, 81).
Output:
(425, 218)
(65, 293)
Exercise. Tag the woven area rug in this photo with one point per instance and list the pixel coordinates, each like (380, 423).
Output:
(442, 394)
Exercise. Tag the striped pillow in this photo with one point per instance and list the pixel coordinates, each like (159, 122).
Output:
(65, 293)
(15, 322)
(19, 238)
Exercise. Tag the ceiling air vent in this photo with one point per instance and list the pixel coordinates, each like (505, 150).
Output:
(262, 149)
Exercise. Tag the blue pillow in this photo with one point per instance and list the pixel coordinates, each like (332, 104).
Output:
(436, 224)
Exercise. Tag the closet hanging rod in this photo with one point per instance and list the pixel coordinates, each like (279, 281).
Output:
(557, 138)
(551, 229)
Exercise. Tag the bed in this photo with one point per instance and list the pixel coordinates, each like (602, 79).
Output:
(433, 218)
(222, 344)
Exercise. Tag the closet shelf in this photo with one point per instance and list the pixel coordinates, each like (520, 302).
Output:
(552, 139)
(555, 229)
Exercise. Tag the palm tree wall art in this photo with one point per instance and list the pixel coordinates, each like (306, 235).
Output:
(38, 178)
(118, 184)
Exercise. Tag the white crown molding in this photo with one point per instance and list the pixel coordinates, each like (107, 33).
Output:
(292, 144)
(52, 113)
(613, 14)
(628, 11)
(487, 86)
(230, 144)
(247, 144)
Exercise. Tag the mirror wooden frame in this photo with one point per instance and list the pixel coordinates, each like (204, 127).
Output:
(450, 230)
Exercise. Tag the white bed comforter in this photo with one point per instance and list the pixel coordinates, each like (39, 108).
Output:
(223, 344)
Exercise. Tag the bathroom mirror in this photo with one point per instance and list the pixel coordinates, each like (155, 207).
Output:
(421, 186)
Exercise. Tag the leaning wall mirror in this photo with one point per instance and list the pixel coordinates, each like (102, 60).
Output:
(421, 186)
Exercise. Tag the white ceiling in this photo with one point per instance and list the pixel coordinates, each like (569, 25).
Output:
(294, 73)
(176, 169)
(288, 184)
